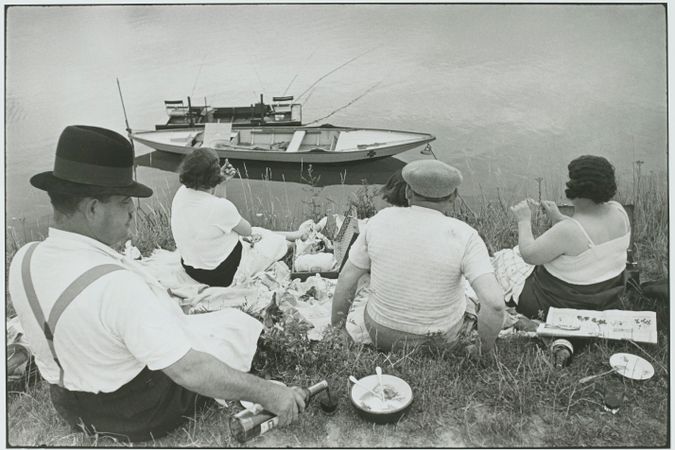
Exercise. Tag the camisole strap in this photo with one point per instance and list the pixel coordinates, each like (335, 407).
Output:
(583, 230)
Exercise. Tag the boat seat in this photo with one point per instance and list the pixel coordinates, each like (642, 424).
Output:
(217, 133)
(296, 140)
(234, 139)
(175, 108)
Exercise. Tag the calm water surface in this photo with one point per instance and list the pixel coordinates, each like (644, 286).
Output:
(512, 92)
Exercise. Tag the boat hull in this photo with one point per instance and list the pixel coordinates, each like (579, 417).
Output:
(169, 141)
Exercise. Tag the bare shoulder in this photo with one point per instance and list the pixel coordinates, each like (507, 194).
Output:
(564, 228)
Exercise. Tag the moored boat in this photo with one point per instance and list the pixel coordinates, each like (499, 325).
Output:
(317, 145)
(281, 112)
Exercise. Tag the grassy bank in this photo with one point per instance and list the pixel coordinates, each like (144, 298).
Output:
(514, 398)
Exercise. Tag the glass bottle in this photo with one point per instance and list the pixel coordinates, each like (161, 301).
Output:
(562, 350)
(247, 424)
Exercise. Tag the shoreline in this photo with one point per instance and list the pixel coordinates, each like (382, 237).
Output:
(293, 203)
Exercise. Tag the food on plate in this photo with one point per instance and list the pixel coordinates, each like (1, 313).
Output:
(393, 400)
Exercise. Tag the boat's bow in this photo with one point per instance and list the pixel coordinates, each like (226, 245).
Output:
(174, 141)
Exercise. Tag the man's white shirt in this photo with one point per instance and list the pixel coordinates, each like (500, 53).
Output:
(417, 258)
(115, 327)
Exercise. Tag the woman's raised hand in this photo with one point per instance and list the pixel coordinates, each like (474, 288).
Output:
(522, 210)
(227, 170)
(552, 211)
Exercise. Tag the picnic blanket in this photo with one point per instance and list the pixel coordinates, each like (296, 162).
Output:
(308, 300)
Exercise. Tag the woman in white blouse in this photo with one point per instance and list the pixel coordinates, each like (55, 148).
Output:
(208, 230)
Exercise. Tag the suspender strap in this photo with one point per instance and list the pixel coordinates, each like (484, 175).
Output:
(65, 299)
(28, 285)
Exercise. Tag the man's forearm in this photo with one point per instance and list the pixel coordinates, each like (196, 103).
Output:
(342, 300)
(490, 321)
(344, 292)
(491, 313)
(206, 375)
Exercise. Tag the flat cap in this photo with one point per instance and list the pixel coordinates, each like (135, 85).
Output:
(431, 178)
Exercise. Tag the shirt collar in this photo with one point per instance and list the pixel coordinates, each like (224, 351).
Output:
(197, 191)
(426, 210)
(83, 241)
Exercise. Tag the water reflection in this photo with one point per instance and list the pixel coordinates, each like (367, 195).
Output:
(374, 172)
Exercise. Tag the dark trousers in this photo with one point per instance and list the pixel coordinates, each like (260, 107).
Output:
(149, 406)
(220, 276)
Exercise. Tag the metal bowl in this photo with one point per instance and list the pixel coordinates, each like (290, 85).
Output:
(398, 398)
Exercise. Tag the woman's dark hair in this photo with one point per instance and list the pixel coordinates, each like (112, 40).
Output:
(394, 190)
(591, 177)
(200, 169)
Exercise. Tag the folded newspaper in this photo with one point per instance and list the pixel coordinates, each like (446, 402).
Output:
(638, 326)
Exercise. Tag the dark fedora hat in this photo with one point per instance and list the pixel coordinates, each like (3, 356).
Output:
(92, 161)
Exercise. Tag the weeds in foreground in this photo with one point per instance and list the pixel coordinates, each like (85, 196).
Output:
(511, 399)
(363, 201)
(153, 229)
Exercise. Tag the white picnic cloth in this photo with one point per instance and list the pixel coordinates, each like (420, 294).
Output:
(310, 300)
(511, 272)
(229, 334)
(257, 258)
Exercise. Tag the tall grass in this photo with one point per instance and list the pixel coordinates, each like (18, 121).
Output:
(651, 222)
(273, 208)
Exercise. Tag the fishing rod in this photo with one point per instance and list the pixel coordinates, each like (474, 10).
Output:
(126, 122)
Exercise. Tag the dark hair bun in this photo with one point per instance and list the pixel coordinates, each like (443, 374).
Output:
(591, 177)
(200, 169)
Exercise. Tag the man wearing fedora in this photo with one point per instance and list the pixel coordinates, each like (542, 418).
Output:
(417, 257)
(108, 342)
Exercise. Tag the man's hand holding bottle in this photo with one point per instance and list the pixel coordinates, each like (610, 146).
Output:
(286, 403)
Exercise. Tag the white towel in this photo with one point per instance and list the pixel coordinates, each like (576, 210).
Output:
(269, 249)
(229, 334)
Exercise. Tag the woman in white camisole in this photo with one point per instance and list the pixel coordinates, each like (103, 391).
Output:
(580, 261)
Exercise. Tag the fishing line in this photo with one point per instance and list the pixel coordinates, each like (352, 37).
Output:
(289, 84)
(333, 71)
(296, 75)
(262, 87)
(309, 96)
(348, 104)
(199, 72)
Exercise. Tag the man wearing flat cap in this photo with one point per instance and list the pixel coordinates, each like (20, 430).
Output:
(417, 257)
(106, 338)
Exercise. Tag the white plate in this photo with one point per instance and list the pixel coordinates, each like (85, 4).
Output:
(255, 407)
(366, 401)
(631, 366)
